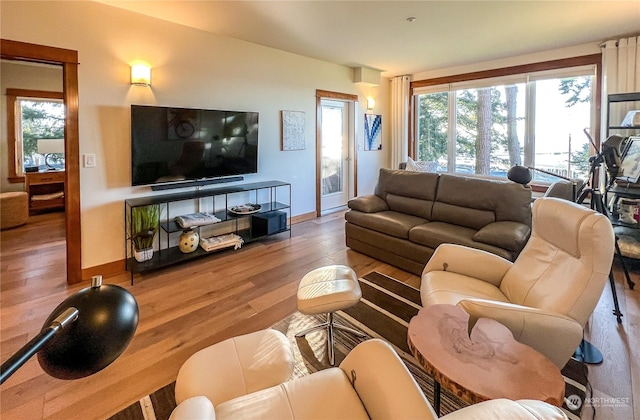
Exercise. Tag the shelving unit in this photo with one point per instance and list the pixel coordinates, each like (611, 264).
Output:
(620, 102)
(273, 196)
(621, 190)
(619, 99)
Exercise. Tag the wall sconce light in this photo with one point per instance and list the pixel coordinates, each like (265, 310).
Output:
(141, 75)
(371, 103)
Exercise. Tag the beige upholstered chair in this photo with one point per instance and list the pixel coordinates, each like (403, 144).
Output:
(565, 189)
(372, 382)
(546, 296)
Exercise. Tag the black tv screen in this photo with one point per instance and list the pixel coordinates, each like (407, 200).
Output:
(184, 144)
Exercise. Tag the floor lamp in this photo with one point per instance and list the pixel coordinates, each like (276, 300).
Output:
(83, 335)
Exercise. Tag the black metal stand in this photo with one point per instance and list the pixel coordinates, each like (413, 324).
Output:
(588, 353)
(597, 203)
(630, 283)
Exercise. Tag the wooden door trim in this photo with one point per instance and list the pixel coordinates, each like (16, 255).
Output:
(320, 95)
(68, 59)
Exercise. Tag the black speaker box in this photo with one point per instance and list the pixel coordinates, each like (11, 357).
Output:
(268, 223)
(31, 169)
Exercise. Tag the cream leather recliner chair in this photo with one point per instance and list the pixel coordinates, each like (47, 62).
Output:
(372, 382)
(547, 294)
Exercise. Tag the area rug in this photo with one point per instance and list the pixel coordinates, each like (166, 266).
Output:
(385, 310)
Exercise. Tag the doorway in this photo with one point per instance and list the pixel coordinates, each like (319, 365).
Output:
(335, 154)
(335, 148)
(68, 60)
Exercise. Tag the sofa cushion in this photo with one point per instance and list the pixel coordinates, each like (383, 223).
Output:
(420, 185)
(510, 235)
(390, 244)
(368, 204)
(388, 222)
(462, 215)
(433, 234)
(486, 200)
(409, 205)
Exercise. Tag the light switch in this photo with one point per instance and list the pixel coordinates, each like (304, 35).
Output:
(89, 160)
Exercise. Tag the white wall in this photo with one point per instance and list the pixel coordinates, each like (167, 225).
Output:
(575, 51)
(190, 68)
(16, 75)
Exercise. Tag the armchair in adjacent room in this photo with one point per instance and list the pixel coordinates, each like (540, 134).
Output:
(372, 382)
(547, 294)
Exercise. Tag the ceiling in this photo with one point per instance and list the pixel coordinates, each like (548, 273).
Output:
(377, 34)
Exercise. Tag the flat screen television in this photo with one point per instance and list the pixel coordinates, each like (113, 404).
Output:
(173, 145)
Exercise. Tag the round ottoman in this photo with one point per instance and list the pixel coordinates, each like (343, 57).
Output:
(326, 290)
(14, 209)
(235, 367)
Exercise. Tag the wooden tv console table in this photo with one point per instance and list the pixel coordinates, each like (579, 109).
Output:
(45, 190)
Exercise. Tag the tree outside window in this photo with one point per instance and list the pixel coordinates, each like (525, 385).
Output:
(489, 133)
(32, 115)
(41, 119)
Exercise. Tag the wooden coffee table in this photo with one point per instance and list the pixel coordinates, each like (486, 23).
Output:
(491, 364)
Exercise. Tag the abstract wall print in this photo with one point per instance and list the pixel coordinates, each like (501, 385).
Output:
(293, 130)
(372, 132)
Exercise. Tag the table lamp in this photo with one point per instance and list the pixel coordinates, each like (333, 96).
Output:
(83, 335)
(47, 147)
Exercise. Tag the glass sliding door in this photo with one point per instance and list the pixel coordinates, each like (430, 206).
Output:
(335, 154)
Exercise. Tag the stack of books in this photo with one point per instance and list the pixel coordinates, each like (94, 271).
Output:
(196, 219)
(219, 242)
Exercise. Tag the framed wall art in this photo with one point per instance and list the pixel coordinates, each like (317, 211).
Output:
(293, 130)
(372, 132)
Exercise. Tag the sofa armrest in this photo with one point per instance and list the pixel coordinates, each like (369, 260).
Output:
(368, 204)
(508, 235)
(468, 261)
(199, 408)
(554, 335)
(383, 383)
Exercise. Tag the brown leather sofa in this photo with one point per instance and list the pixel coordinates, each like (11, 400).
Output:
(411, 213)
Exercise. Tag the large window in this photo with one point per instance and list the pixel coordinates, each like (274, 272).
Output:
(485, 126)
(36, 131)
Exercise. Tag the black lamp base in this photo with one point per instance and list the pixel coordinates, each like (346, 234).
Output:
(588, 353)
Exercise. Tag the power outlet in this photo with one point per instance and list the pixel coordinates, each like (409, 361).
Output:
(89, 160)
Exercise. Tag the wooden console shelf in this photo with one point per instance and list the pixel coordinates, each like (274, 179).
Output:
(45, 190)
(274, 198)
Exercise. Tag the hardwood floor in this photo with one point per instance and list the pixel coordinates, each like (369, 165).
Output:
(191, 306)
